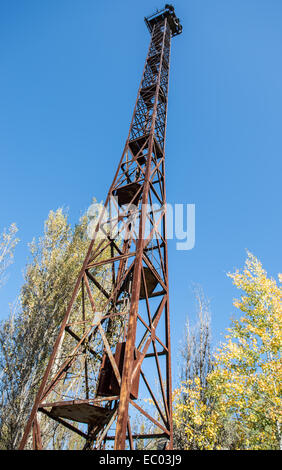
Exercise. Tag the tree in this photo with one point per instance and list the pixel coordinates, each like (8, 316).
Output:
(196, 421)
(8, 242)
(238, 406)
(27, 336)
(196, 351)
(248, 374)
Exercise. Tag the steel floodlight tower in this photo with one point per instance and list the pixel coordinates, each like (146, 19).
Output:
(105, 363)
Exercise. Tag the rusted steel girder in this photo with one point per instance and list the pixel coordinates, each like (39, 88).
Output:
(107, 355)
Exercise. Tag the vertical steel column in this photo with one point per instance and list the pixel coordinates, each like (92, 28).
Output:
(131, 335)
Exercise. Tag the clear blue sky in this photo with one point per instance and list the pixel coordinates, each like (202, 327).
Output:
(69, 76)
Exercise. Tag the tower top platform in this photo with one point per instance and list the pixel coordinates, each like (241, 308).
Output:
(169, 13)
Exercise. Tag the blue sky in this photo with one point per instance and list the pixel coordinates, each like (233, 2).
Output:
(70, 71)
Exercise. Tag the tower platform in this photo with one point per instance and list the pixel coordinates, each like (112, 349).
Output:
(169, 13)
(83, 413)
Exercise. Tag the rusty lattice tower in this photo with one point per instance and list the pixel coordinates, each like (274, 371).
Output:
(113, 346)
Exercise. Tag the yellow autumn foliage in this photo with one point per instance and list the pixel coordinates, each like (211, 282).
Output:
(244, 388)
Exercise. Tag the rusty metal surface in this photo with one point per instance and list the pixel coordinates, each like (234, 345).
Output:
(107, 384)
(136, 299)
(128, 194)
(83, 413)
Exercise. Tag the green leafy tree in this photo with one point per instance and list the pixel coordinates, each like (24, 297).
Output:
(28, 335)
